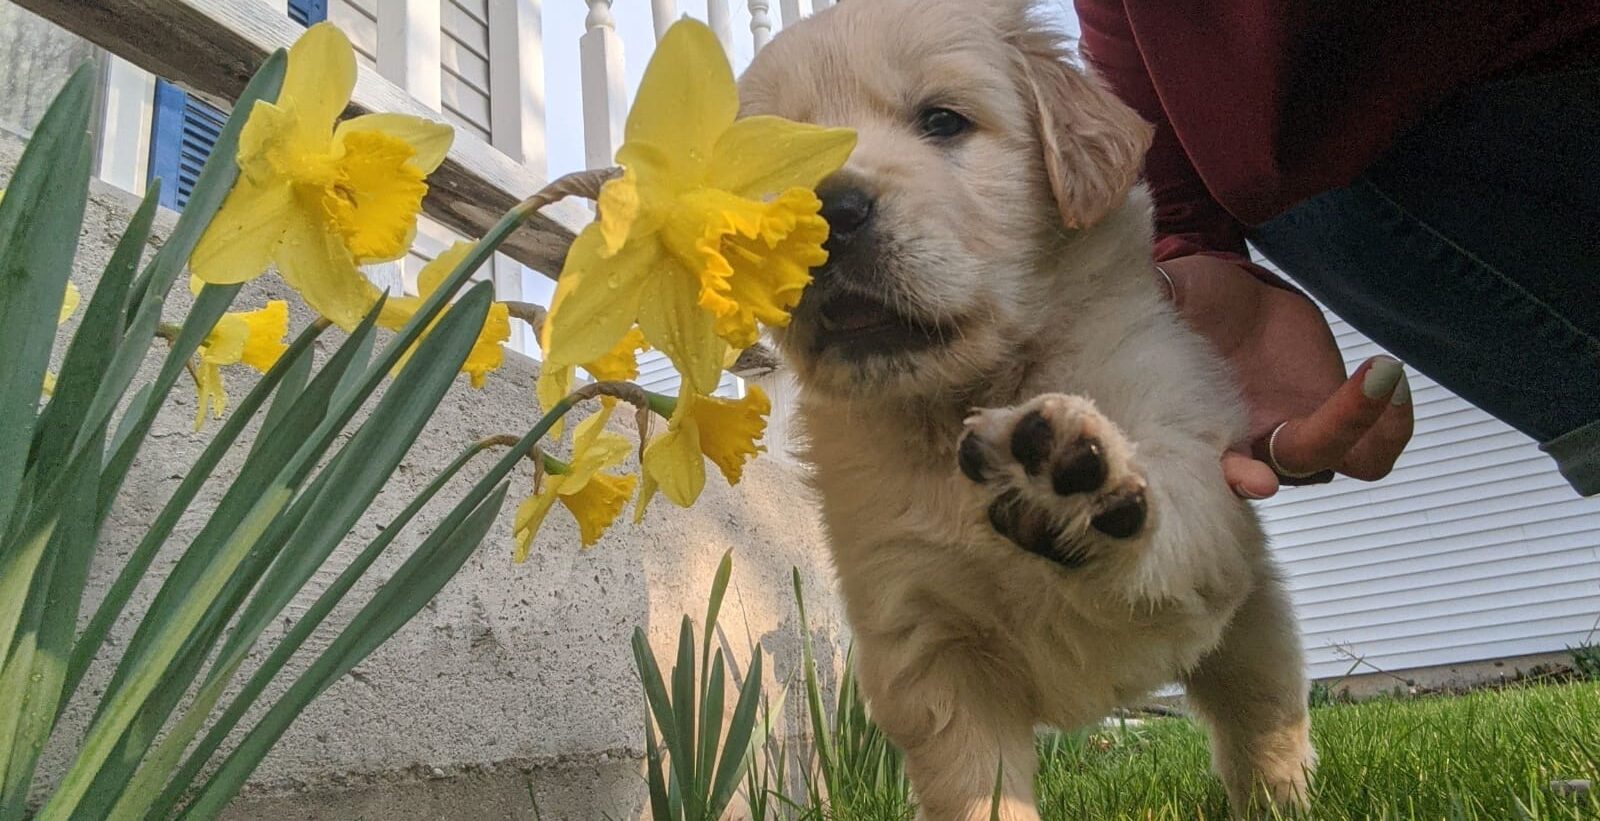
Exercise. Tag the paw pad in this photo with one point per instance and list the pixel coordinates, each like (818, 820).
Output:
(1069, 477)
(1080, 468)
(1032, 440)
(1123, 514)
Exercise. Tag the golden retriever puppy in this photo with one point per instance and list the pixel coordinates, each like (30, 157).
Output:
(1014, 437)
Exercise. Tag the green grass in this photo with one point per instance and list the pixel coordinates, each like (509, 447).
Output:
(1487, 755)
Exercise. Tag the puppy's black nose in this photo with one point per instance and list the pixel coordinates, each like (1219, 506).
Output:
(846, 206)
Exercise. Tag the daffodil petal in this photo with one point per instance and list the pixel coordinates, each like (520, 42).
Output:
(69, 303)
(763, 156)
(530, 515)
(621, 362)
(439, 269)
(585, 433)
(647, 491)
(596, 299)
(609, 450)
(209, 392)
(618, 209)
(240, 241)
(429, 139)
(316, 263)
(671, 318)
(265, 143)
(686, 98)
(266, 329)
(593, 449)
(674, 463)
(598, 505)
(224, 344)
(729, 430)
(398, 310)
(486, 355)
(319, 79)
(555, 382)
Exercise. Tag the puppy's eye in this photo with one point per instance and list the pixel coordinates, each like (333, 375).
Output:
(942, 123)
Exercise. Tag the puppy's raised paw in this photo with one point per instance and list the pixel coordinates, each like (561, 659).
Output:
(1063, 476)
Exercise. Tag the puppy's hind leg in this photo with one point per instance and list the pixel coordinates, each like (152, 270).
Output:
(1251, 692)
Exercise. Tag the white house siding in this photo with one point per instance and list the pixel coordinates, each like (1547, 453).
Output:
(1474, 548)
(464, 63)
(359, 21)
(656, 374)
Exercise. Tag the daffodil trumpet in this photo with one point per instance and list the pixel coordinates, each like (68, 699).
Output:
(728, 432)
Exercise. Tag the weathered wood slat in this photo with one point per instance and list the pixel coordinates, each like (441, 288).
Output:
(213, 46)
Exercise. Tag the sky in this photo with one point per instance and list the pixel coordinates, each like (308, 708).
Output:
(564, 24)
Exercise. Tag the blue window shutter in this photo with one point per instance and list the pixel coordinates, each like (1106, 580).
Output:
(307, 12)
(183, 130)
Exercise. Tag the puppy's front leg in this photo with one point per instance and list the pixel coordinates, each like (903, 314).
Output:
(957, 721)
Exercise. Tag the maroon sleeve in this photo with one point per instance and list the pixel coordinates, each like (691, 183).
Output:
(1189, 220)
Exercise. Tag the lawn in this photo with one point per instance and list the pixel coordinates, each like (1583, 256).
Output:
(1487, 755)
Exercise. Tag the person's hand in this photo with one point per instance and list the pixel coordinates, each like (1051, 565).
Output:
(1289, 370)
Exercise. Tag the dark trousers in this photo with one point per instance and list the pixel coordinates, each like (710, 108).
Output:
(1472, 252)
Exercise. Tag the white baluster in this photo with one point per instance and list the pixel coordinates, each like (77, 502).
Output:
(605, 103)
(761, 22)
(516, 80)
(665, 13)
(791, 12)
(408, 48)
(721, 21)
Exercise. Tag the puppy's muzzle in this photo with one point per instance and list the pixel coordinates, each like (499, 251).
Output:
(860, 303)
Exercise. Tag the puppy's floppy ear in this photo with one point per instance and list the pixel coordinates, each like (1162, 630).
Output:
(1094, 144)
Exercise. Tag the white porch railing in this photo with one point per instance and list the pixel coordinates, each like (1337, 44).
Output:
(604, 67)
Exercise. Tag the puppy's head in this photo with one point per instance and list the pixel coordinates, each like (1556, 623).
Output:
(981, 149)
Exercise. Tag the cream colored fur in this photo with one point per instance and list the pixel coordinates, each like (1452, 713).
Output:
(1029, 239)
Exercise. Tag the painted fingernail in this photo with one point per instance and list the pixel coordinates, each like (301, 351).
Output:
(1246, 493)
(1381, 378)
(1402, 394)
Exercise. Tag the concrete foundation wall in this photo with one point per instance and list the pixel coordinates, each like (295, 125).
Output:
(517, 684)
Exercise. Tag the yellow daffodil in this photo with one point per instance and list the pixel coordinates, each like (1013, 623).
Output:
(69, 303)
(593, 498)
(485, 355)
(703, 427)
(712, 228)
(318, 198)
(253, 338)
(621, 363)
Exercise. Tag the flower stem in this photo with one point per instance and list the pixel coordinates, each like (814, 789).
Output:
(168, 333)
(664, 406)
